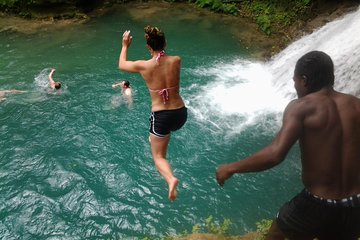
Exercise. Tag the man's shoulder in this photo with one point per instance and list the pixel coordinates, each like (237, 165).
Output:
(349, 97)
(128, 91)
(348, 100)
(301, 106)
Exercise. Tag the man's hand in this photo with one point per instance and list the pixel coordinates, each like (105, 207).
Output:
(223, 173)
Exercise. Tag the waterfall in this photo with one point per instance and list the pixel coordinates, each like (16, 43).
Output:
(242, 93)
(340, 39)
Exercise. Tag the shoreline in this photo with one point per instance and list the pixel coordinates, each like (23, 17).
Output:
(261, 46)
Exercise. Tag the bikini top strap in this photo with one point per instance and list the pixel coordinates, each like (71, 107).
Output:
(160, 54)
(164, 93)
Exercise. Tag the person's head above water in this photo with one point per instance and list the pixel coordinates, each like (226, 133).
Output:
(53, 84)
(57, 85)
(155, 38)
(317, 69)
(126, 83)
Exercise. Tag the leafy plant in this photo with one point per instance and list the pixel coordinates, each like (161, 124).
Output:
(262, 227)
(214, 228)
(196, 228)
(274, 15)
(218, 6)
(264, 23)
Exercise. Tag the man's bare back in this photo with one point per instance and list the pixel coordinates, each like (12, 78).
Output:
(330, 143)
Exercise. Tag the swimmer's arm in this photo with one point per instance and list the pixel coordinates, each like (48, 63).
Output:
(116, 85)
(12, 91)
(17, 91)
(271, 155)
(51, 80)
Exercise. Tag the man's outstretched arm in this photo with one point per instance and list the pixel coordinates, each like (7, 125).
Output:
(271, 155)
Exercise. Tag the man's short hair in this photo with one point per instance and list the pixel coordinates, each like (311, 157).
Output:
(57, 85)
(126, 83)
(317, 69)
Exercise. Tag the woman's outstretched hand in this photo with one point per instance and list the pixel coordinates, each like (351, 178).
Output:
(126, 41)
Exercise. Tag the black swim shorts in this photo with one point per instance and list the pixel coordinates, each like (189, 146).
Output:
(165, 121)
(308, 216)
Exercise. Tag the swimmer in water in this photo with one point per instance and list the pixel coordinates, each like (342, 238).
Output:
(125, 88)
(3, 93)
(53, 84)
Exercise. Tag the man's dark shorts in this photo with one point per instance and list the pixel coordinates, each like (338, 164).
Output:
(165, 121)
(308, 216)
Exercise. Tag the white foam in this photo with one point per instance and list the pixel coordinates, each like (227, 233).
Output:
(41, 80)
(242, 93)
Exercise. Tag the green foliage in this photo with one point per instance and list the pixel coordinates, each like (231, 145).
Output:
(302, 5)
(270, 15)
(218, 6)
(264, 22)
(262, 227)
(230, 8)
(210, 226)
(196, 228)
(274, 15)
(22, 6)
(12, 3)
(8, 3)
(215, 228)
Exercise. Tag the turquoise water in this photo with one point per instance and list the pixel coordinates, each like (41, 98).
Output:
(76, 164)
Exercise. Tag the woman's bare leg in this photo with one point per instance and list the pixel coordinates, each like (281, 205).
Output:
(159, 149)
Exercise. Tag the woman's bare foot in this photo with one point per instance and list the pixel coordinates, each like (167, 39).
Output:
(172, 189)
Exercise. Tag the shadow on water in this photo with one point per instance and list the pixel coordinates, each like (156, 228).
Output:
(77, 164)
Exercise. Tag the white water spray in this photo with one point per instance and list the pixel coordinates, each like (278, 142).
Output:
(340, 39)
(41, 80)
(243, 93)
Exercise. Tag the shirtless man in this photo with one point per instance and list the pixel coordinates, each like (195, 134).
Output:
(125, 88)
(327, 125)
(53, 84)
(3, 93)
